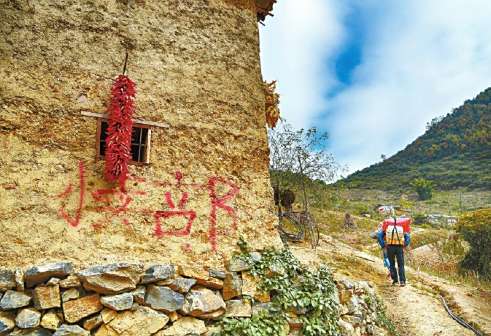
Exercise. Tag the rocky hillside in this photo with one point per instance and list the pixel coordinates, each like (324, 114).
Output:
(454, 152)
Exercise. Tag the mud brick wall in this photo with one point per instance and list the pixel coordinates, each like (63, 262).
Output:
(197, 70)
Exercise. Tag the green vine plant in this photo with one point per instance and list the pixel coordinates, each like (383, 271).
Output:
(295, 291)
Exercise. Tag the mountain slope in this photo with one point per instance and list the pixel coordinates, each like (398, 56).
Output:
(454, 152)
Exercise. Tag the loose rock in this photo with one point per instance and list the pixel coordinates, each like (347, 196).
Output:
(46, 297)
(70, 294)
(182, 285)
(163, 298)
(112, 278)
(201, 301)
(158, 273)
(118, 302)
(39, 274)
(14, 300)
(76, 310)
(28, 318)
(51, 321)
(142, 322)
(214, 273)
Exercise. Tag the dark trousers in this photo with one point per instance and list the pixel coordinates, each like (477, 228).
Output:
(396, 252)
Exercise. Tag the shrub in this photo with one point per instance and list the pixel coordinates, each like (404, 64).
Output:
(424, 188)
(475, 228)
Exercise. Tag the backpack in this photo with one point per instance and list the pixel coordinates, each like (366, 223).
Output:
(394, 234)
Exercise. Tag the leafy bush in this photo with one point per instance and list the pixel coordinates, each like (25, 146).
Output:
(424, 188)
(419, 218)
(294, 288)
(475, 227)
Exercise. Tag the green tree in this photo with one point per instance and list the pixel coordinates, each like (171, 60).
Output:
(475, 228)
(424, 188)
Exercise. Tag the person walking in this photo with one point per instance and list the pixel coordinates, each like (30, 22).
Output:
(394, 237)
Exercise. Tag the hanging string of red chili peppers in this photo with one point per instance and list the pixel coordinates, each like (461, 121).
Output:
(120, 124)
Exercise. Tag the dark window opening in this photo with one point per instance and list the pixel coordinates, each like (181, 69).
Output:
(139, 142)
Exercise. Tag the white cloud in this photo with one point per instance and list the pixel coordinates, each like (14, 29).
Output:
(420, 59)
(295, 44)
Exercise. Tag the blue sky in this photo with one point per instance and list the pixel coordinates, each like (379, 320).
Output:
(372, 73)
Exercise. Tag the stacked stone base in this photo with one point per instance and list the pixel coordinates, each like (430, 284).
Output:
(162, 300)
(358, 309)
(122, 299)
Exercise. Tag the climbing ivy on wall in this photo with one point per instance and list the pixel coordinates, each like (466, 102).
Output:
(310, 295)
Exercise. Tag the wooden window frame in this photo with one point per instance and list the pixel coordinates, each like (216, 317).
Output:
(146, 154)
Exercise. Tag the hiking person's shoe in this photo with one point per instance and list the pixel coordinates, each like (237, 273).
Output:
(403, 284)
(395, 283)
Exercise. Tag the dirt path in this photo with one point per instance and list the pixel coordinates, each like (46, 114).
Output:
(416, 309)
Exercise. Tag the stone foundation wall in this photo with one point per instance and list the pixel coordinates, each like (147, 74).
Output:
(163, 300)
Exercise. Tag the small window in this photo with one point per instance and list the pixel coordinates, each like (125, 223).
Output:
(140, 142)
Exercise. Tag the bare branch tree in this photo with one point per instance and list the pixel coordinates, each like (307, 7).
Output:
(301, 152)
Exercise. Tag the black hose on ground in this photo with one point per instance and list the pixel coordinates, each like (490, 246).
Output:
(458, 319)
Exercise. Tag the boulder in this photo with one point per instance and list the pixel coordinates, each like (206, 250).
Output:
(118, 302)
(232, 286)
(75, 310)
(28, 318)
(202, 301)
(112, 278)
(142, 321)
(7, 279)
(13, 300)
(71, 330)
(158, 273)
(163, 298)
(7, 322)
(46, 297)
(39, 274)
(182, 285)
(185, 326)
(51, 320)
